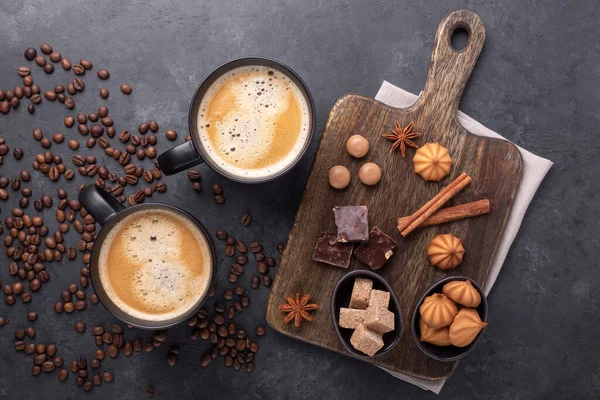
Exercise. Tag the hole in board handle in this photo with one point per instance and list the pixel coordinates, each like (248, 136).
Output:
(459, 39)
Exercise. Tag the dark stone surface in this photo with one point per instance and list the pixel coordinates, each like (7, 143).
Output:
(536, 83)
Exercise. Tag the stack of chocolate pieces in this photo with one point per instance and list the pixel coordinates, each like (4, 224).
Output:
(368, 315)
(352, 223)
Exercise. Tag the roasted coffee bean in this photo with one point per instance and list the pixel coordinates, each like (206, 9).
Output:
(78, 85)
(30, 53)
(143, 128)
(280, 248)
(241, 246)
(236, 269)
(245, 301)
(25, 175)
(126, 89)
(80, 327)
(96, 130)
(103, 74)
(65, 64)
(78, 69)
(271, 262)
(30, 332)
(241, 259)
(40, 60)
(124, 136)
(73, 144)
(255, 247)
(23, 71)
(54, 56)
(50, 95)
(18, 153)
(232, 278)
(246, 219)
(161, 187)
(58, 138)
(104, 93)
(153, 126)
(83, 129)
(229, 251)
(58, 307)
(87, 64)
(217, 189)
(46, 48)
(171, 134)
(63, 375)
(48, 68)
(219, 199)
(69, 102)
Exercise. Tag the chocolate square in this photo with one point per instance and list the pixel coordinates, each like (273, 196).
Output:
(377, 250)
(352, 223)
(329, 251)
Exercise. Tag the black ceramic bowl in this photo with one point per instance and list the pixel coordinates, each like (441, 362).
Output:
(341, 298)
(445, 353)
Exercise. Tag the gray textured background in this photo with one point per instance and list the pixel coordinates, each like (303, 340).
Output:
(536, 82)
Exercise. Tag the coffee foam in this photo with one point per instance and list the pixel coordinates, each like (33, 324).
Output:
(253, 122)
(155, 265)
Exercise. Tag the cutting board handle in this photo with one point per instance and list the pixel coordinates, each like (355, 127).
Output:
(450, 69)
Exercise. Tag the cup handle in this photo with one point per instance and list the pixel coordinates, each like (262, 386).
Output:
(179, 158)
(99, 203)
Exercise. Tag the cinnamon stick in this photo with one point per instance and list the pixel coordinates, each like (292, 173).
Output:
(434, 204)
(409, 220)
(456, 213)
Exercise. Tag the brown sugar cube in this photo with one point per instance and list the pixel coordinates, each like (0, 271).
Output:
(366, 341)
(379, 320)
(350, 318)
(361, 292)
(379, 298)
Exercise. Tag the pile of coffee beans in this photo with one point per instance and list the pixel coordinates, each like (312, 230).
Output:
(132, 175)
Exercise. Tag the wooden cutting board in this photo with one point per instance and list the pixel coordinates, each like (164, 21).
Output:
(495, 166)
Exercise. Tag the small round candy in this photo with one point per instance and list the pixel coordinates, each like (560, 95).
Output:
(339, 177)
(369, 173)
(357, 146)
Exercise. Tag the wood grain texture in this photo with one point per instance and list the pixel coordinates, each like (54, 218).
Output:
(495, 166)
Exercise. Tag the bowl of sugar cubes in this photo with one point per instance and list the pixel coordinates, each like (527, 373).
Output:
(366, 314)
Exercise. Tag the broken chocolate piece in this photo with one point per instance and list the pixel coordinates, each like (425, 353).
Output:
(352, 223)
(377, 250)
(329, 251)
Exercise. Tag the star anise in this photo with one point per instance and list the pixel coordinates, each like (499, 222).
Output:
(297, 309)
(402, 138)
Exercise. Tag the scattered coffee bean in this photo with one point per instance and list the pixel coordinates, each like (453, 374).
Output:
(126, 89)
(78, 69)
(255, 247)
(58, 138)
(193, 175)
(103, 74)
(241, 246)
(80, 327)
(267, 280)
(104, 93)
(171, 134)
(40, 60)
(69, 102)
(246, 219)
(30, 53)
(280, 248)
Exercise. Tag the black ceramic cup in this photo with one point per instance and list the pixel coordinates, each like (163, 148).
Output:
(107, 211)
(341, 298)
(445, 353)
(191, 153)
